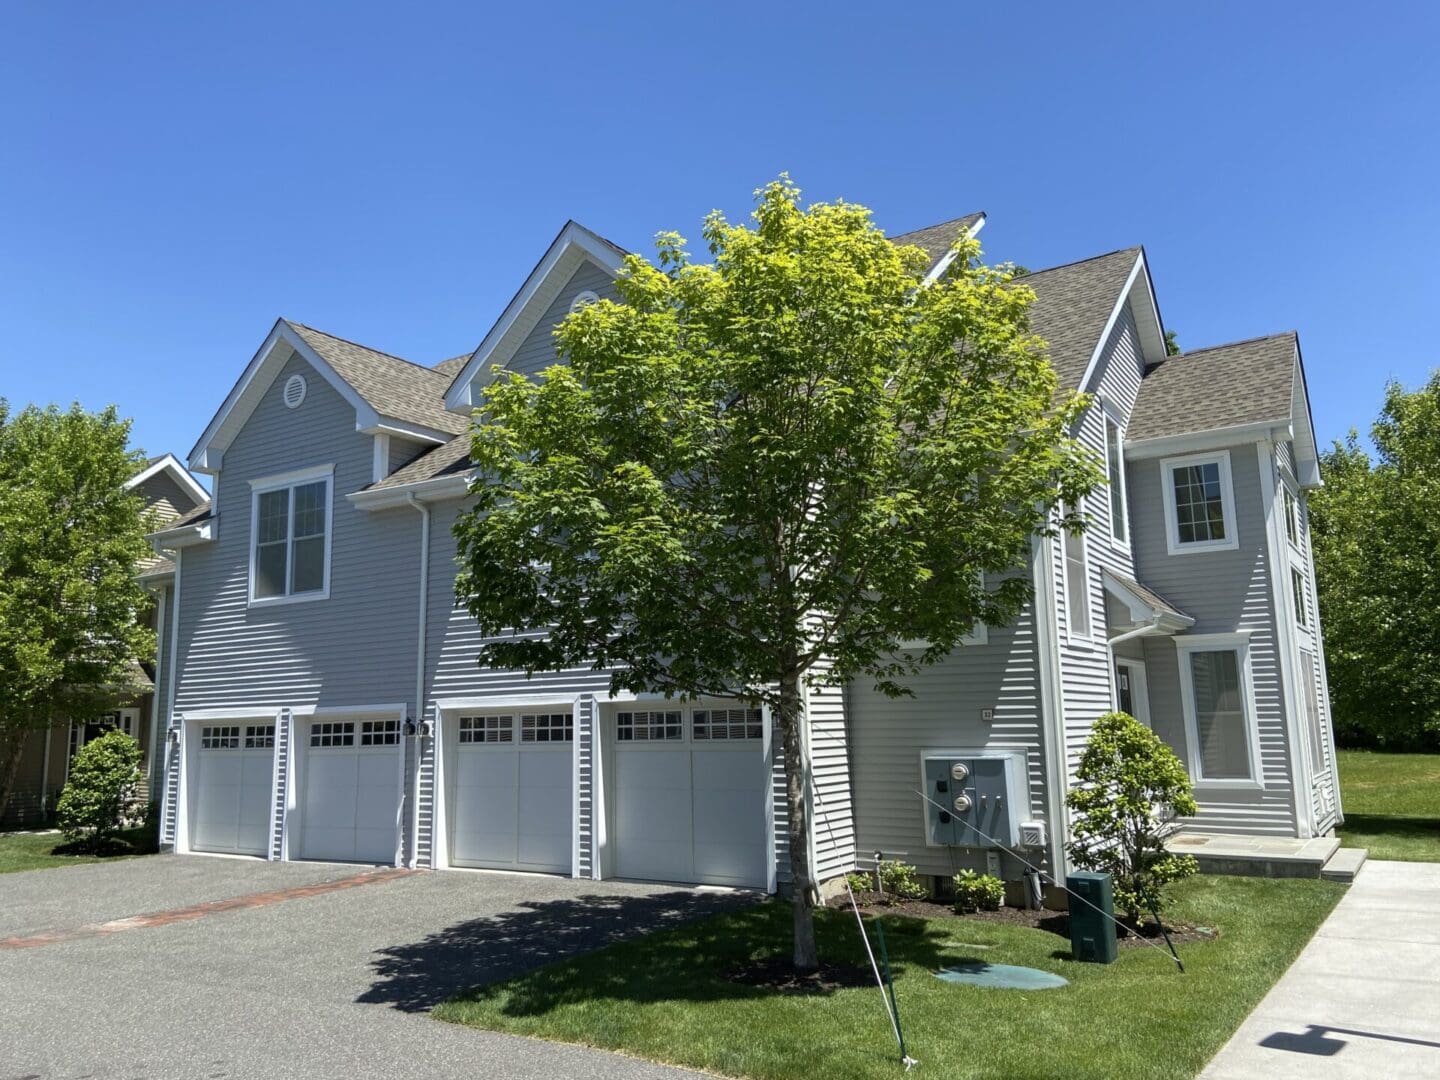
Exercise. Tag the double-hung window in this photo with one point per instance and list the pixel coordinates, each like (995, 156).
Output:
(1077, 585)
(1115, 473)
(1292, 518)
(1219, 710)
(290, 537)
(1199, 503)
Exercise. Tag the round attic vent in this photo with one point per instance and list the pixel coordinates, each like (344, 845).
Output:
(582, 299)
(294, 391)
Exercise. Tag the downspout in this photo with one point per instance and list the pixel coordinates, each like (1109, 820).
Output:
(420, 670)
(165, 807)
(1153, 624)
(1052, 704)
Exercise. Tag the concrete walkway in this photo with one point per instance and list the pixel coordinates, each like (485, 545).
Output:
(1363, 998)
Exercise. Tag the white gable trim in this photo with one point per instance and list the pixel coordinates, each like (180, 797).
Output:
(251, 387)
(1120, 302)
(181, 475)
(938, 270)
(574, 244)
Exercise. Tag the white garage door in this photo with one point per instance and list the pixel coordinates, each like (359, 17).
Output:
(513, 792)
(234, 778)
(351, 792)
(690, 797)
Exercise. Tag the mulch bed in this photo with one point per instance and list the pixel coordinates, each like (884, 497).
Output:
(778, 973)
(1055, 922)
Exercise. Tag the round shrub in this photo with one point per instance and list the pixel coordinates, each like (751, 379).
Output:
(104, 774)
(978, 892)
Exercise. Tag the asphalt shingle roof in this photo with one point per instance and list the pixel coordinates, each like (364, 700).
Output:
(394, 387)
(1072, 304)
(450, 368)
(936, 240)
(1246, 382)
(448, 459)
(1149, 595)
(200, 513)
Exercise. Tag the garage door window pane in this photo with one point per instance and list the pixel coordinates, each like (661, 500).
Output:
(259, 736)
(487, 729)
(380, 733)
(547, 728)
(1220, 726)
(716, 724)
(333, 734)
(220, 738)
(648, 726)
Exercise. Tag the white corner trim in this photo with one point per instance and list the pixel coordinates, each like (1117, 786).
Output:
(380, 463)
(1173, 546)
(573, 235)
(1239, 642)
(1120, 303)
(181, 475)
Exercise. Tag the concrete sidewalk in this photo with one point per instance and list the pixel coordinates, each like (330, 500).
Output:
(1363, 998)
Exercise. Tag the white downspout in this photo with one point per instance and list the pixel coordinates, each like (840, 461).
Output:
(165, 808)
(1153, 624)
(420, 670)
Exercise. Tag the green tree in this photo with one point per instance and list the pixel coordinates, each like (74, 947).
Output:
(70, 536)
(1172, 344)
(1129, 789)
(770, 471)
(1376, 540)
(104, 776)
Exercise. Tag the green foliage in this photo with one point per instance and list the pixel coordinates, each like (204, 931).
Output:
(901, 880)
(1376, 541)
(860, 882)
(1172, 344)
(1130, 787)
(769, 470)
(70, 537)
(978, 892)
(104, 774)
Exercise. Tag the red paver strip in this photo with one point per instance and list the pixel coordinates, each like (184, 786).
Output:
(200, 911)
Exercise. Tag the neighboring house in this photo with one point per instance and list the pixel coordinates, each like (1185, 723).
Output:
(169, 491)
(326, 702)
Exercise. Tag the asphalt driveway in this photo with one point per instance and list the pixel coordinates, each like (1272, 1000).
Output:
(242, 968)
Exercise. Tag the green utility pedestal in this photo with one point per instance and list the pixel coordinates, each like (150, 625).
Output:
(1092, 934)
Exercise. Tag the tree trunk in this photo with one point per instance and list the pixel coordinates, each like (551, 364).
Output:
(11, 769)
(791, 716)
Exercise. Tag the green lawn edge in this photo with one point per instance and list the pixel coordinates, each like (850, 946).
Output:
(25, 851)
(665, 998)
(1391, 804)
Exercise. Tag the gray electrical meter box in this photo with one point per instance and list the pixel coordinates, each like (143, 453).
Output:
(974, 799)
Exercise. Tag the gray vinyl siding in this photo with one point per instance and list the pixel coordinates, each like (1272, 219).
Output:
(354, 648)
(537, 351)
(165, 499)
(832, 812)
(164, 674)
(404, 451)
(1224, 591)
(888, 736)
(1085, 677)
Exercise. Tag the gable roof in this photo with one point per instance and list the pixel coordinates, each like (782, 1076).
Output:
(170, 464)
(1243, 383)
(1073, 307)
(393, 386)
(448, 368)
(937, 240)
(449, 459)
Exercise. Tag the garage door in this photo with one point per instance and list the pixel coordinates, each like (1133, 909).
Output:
(230, 800)
(513, 792)
(351, 792)
(690, 797)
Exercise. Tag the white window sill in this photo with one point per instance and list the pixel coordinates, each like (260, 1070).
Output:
(295, 598)
(1199, 547)
(1227, 785)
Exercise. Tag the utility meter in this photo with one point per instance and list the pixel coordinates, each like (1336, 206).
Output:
(962, 803)
(959, 771)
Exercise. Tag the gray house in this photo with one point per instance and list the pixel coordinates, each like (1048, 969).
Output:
(324, 701)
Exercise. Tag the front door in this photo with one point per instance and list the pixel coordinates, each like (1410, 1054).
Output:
(1131, 694)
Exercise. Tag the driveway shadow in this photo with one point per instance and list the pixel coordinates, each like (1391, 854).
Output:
(419, 976)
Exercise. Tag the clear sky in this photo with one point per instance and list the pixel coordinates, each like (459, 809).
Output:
(173, 177)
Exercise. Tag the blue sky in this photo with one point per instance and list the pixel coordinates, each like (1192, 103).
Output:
(174, 177)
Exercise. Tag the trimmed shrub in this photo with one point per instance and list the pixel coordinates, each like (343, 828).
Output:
(104, 775)
(1130, 788)
(901, 880)
(978, 892)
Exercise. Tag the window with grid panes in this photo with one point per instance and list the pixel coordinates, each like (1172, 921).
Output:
(220, 738)
(259, 736)
(487, 729)
(379, 732)
(547, 727)
(649, 726)
(333, 733)
(712, 725)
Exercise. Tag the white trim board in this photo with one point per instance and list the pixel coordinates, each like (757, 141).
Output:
(1231, 540)
(181, 475)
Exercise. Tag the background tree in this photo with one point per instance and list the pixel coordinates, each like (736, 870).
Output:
(1376, 540)
(1129, 789)
(770, 471)
(1172, 343)
(70, 536)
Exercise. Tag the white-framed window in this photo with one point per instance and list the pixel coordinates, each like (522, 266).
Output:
(329, 733)
(290, 525)
(713, 725)
(1115, 473)
(556, 727)
(379, 732)
(652, 726)
(1312, 712)
(1077, 586)
(1292, 517)
(259, 736)
(220, 738)
(1216, 694)
(1297, 595)
(1199, 503)
(487, 729)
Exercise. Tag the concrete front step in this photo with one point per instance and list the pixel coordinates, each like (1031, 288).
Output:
(1256, 856)
(1344, 864)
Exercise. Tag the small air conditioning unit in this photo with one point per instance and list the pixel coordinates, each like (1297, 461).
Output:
(1032, 834)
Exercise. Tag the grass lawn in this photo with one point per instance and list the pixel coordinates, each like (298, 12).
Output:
(1391, 804)
(35, 851)
(664, 997)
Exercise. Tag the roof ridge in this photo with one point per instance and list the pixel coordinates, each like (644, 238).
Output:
(937, 224)
(1080, 262)
(368, 348)
(1232, 344)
